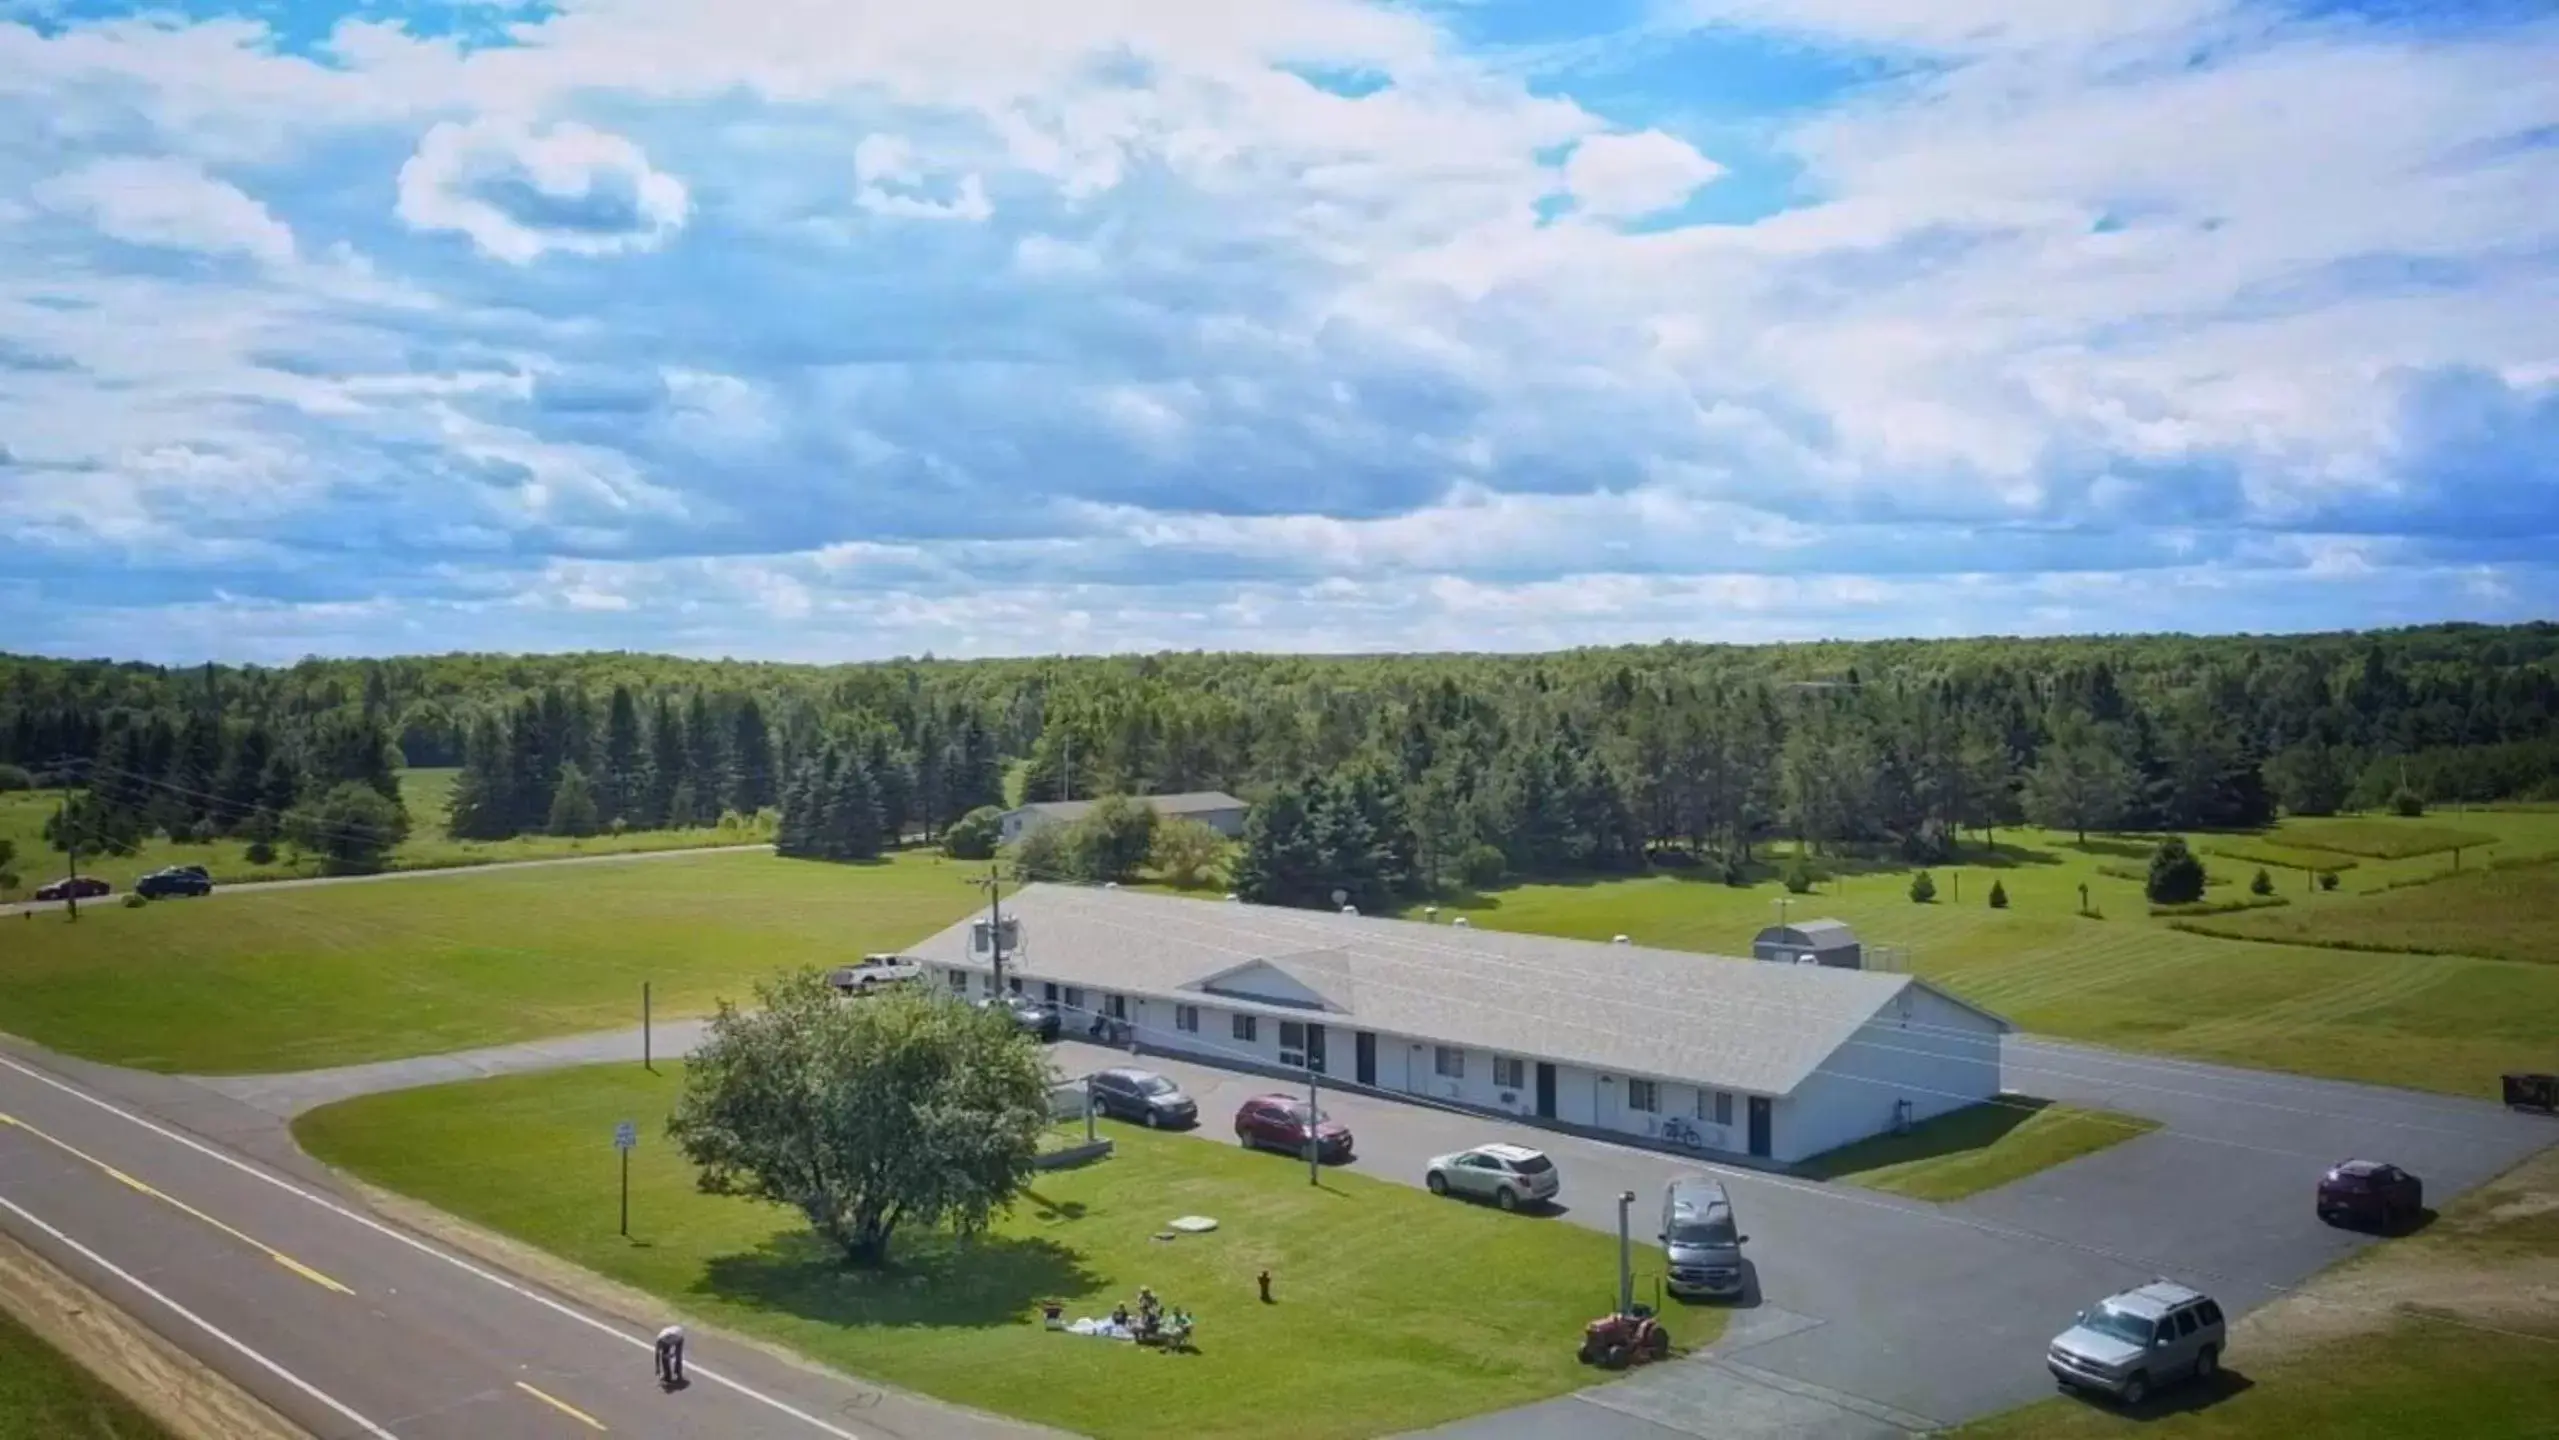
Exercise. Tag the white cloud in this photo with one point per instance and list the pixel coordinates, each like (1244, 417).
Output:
(1963, 26)
(520, 191)
(1624, 177)
(172, 203)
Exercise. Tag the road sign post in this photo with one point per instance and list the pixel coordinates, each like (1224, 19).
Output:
(626, 1138)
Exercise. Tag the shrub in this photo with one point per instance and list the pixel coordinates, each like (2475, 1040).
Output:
(15, 777)
(2176, 877)
(1042, 855)
(1733, 872)
(974, 836)
(2264, 884)
(1922, 888)
(1186, 852)
(261, 853)
(1799, 876)
(2327, 879)
(135, 900)
(2407, 802)
(1998, 896)
(1482, 866)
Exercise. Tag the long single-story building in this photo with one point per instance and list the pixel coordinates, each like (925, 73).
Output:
(1777, 1062)
(1215, 809)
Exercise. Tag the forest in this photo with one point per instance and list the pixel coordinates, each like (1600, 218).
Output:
(1373, 773)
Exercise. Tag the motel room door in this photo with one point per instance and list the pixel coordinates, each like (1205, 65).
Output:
(1761, 1120)
(1545, 1090)
(1364, 1057)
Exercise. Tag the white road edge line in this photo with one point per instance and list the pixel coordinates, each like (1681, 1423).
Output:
(423, 1248)
(198, 1321)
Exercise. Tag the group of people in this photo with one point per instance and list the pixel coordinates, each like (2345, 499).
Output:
(1154, 1322)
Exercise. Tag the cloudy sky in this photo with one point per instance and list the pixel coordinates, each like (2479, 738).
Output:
(817, 329)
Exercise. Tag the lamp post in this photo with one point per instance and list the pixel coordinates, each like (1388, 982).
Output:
(1625, 1252)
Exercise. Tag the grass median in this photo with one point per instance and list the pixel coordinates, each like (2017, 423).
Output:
(1394, 1311)
(1978, 1148)
(45, 1396)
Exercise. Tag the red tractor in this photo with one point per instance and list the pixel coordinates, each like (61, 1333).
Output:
(1614, 1341)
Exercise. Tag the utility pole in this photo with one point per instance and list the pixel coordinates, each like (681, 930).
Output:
(647, 1048)
(70, 856)
(1625, 1252)
(994, 883)
(1314, 1132)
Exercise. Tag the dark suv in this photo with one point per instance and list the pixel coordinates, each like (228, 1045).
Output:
(2368, 1192)
(1143, 1096)
(1285, 1122)
(176, 880)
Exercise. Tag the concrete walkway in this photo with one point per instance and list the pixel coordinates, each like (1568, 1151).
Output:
(286, 1096)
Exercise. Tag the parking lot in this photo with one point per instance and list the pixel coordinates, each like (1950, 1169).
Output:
(1869, 1315)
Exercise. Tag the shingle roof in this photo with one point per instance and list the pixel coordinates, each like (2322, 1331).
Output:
(1818, 934)
(1675, 1014)
(1189, 802)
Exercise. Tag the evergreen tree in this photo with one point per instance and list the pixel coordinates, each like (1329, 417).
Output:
(706, 766)
(799, 829)
(853, 811)
(573, 809)
(2176, 876)
(622, 793)
(279, 786)
(482, 805)
(252, 750)
(1279, 863)
(893, 782)
(975, 772)
(2079, 783)
(353, 749)
(667, 752)
(750, 757)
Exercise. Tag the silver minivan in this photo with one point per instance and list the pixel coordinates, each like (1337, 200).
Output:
(1701, 1239)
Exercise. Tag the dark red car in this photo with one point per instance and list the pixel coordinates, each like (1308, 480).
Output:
(2368, 1192)
(86, 887)
(1287, 1123)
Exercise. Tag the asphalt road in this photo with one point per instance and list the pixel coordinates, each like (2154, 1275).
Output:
(309, 882)
(353, 1327)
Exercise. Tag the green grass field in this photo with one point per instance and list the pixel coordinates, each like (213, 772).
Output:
(44, 1396)
(23, 813)
(2384, 837)
(1978, 1148)
(2507, 914)
(331, 975)
(1400, 1311)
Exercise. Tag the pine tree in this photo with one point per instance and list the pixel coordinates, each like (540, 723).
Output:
(482, 806)
(665, 768)
(797, 833)
(572, 803)
(750, 757)
(706, 766)
(894, 784)
(620, 796)
(853, 811)
(252, 750)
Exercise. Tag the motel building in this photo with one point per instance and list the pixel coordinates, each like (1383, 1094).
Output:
(1728, 1057)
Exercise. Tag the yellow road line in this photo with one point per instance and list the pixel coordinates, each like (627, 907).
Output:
(165, 1198)
(563, 1406)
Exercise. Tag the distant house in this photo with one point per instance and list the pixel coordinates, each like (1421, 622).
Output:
(1215, 809)
(1811, 942)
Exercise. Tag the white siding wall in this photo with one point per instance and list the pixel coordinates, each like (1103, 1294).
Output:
(1940, 1057)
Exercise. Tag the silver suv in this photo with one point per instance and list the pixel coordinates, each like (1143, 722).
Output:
(2133, 1343)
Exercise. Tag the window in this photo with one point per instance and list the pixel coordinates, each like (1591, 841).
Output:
(1510, 1072)
(1643, 1095)
(1448, 1062)
(1246, 1029)
(1723, 1107)
(1074, 999)
(2210, 1312)
(959, 982)
(1292, 1042)
(1115, 1006)
(1187, 1017)
(2185, 1323)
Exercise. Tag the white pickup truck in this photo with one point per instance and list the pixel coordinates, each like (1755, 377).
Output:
(874, 972)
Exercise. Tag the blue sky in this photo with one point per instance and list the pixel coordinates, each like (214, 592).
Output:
(804, 330)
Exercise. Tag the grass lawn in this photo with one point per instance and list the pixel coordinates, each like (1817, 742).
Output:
(23, 813)
(1395, 1311)
(2382, 837)
(2247, 850)
(2508, 914)
(1980, 1147)
(332, 975)
(2371, 1350)
(44, 1396)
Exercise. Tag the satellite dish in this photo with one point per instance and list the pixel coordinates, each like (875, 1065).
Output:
(1341, 897)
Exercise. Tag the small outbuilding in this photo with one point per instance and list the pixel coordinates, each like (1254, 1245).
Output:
(1811, 942)
(1215, 809)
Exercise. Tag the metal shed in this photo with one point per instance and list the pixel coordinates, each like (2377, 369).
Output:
(1811, 942)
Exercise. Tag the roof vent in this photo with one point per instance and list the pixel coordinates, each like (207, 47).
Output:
(1350, 909)
(1233, 898)
(1430, 914)
(1459, 922)
(1619, 940)
(1110, 884)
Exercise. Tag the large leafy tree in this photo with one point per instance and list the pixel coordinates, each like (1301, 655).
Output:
(1111, 840)
(905, 1110)
(2081, 782)
(353, 828)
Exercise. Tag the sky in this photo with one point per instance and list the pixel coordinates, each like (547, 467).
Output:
(805, 330)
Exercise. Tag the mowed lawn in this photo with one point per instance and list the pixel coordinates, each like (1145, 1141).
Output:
(2434, 1022)
(45, 1396)
(1978, 1148)
(1395, 1311)
(2510, 914)
(424, 792)
(297, 979)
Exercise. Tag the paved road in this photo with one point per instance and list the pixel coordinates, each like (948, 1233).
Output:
(308, 882)
(352, 1327)
(1870, 1316)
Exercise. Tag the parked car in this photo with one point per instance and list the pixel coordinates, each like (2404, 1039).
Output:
(2133, 1343)
(85, 887)
(1285, 1122)
(1508, 1175)
(1036, 1017)
(175, 880)
(1143, 1096)
(873, 972)
(2369, 1192)
(1701, 1238)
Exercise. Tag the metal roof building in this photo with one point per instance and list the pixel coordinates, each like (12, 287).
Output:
(1720, 1054)
(1810, 942)
(1216, 809)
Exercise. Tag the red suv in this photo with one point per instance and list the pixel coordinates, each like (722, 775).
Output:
(2368, 1192)
(1285, 1122)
